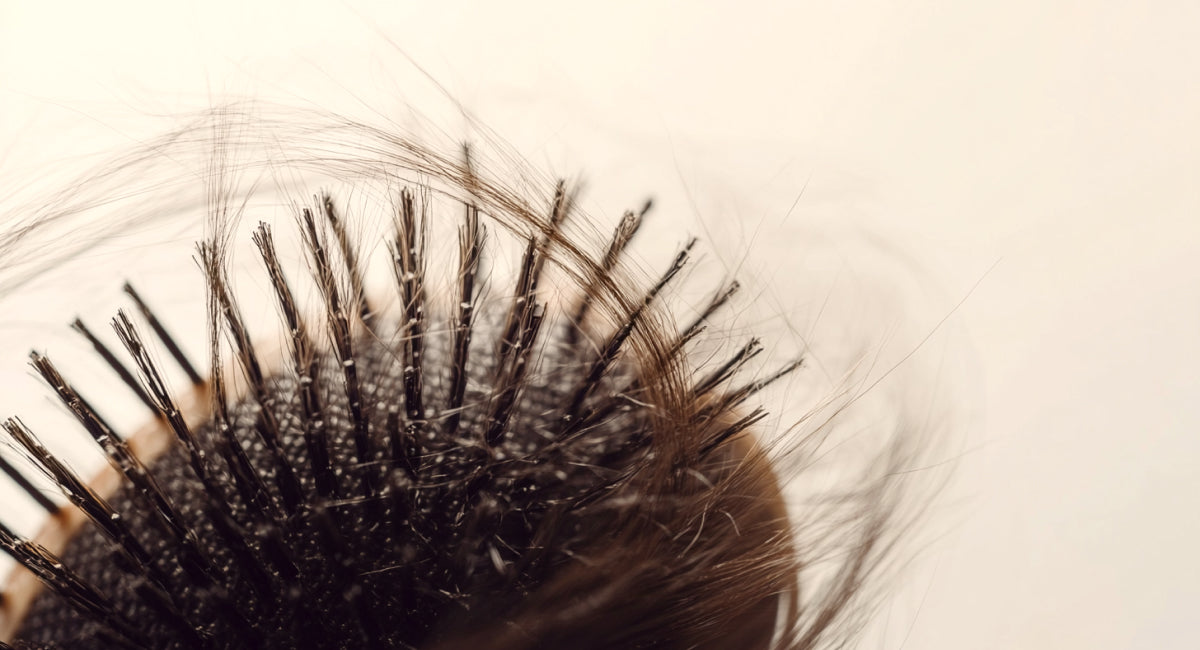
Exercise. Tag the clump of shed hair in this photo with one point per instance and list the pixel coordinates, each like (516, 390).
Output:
(531, 460)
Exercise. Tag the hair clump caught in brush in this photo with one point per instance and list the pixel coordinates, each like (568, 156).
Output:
(465, 458)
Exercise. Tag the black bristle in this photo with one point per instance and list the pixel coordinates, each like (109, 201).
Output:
(166, 404)
(354, 270)
(608, 353)
(723, 373)
(523, 295)
(166, 338)
(510, 382)
(524, 320)
(719, 299)
(624, 233)
(470, 250)
(27, 487)
(739, 395)
(560, 208)
(732, 430)
(126, 377)
(405, 449)
(532, 265)
(408, 253)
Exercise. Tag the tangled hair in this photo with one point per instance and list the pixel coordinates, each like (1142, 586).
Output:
(547, 458)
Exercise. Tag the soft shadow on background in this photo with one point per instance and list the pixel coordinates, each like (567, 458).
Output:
(1039, 159)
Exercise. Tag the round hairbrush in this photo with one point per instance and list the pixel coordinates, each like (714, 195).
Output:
(450, 456)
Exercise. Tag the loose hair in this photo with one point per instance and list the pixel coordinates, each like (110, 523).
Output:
(555, 456)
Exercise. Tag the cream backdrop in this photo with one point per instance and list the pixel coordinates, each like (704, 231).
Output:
(1037, 160)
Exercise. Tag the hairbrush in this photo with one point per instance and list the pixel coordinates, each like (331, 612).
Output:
(553, 457)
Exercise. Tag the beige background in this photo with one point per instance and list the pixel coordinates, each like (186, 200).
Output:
(1037, 158)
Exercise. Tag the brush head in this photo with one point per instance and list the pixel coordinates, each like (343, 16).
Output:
(502, 475)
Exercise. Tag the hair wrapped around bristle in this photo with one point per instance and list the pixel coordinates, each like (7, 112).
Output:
(528, 463)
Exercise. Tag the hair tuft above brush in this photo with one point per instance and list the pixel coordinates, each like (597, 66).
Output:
(534, 461)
